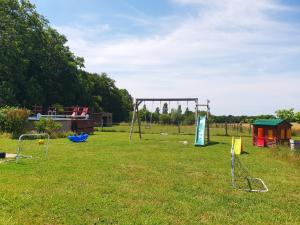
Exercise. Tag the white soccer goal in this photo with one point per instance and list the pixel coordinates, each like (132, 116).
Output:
(241, 179)
(32, 144)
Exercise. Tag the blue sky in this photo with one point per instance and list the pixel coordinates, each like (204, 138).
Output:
(243, 55)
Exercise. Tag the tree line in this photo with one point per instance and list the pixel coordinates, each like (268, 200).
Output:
(177, 116)
(38, 68)
(167, 116)
(286, 114)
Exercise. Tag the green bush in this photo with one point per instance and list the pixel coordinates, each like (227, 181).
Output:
(59, 108)
(13, 120)
(48, 126)
(165, 118)
(176, 117)
(63, 134)
(189, 119)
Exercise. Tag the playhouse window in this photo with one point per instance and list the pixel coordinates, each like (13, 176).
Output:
(270, 134)
(282, 134)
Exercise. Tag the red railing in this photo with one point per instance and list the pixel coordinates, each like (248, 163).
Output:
(69, 111)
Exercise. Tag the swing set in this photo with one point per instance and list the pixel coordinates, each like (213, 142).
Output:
(139, 101)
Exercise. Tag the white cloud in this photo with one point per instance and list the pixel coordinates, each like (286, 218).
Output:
(83, 33)
(232, 52)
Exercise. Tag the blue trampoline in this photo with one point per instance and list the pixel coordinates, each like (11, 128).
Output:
(78, 138)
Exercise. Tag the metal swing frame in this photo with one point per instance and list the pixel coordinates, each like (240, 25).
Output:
(139, 101)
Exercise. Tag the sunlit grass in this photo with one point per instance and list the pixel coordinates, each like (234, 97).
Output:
(159, 180)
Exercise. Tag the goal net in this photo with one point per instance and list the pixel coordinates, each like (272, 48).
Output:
(241, 178)
(33, 145)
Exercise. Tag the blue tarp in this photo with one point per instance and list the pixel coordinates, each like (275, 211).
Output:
(200, 131)
(78, 138)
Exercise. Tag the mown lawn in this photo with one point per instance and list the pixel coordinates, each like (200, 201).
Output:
(158, 180)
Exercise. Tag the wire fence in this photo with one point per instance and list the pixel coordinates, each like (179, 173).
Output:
(154, 128)
(216, 129)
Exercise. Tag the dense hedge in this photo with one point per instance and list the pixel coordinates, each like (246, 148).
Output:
(13, 120)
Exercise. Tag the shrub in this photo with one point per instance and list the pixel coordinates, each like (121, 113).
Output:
(176, 117)
(189, 119)
(13, 120)
(59, 108)
(48, 126)
(63, 134)
(165, 118)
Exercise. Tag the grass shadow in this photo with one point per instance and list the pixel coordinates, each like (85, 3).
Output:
(245, 153)
(211, 143)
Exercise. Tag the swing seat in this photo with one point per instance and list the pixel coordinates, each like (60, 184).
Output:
(78, 138)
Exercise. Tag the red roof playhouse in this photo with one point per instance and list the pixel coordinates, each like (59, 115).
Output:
(270, 132)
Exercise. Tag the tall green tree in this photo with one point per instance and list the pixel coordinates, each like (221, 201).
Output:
(157, 110)
(38, 68)
(297, 117)
(179, 110)
(165, 109)
(286, 114)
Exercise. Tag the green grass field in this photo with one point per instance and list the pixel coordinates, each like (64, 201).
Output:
(158, 180)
